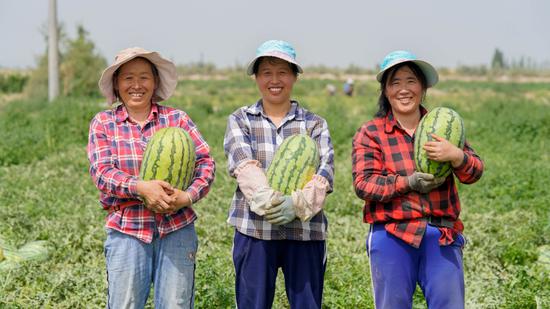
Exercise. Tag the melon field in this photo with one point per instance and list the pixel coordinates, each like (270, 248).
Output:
(46, 194)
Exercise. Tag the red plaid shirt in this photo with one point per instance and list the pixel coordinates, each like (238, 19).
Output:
(382, 158)
(115, 149)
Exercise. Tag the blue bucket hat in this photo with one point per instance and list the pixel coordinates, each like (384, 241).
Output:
(399, 56)
(275, 48)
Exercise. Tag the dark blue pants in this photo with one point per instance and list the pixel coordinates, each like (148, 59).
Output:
(397, 267)
(257, 262)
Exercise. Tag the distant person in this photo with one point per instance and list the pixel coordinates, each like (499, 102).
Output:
(151, 237)
(348, 87)
(331, 90)
(415, 232)
(273, 232)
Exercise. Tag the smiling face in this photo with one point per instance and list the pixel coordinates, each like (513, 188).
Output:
(275, 79)
(135, 83)
(404, 91)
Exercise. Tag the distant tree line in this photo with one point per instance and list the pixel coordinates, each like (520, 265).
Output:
(500, 66)
(13, 82)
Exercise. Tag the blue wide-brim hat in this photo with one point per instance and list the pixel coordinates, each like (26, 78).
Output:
(399, 56)
(275, 48)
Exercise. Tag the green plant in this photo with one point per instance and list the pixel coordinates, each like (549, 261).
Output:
(12, 82)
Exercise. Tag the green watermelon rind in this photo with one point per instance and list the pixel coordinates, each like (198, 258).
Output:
(431, 123)
(294, 163)
(169, 156)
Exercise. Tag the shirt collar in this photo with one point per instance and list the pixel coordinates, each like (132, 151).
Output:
(392, 123)
(122, 113)
(294, 112)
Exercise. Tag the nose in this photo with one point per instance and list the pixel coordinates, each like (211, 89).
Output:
(403, 88)
(275, 77)
(136, 83)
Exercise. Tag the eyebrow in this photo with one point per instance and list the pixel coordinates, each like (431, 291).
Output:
(406, 78)
(138, 73)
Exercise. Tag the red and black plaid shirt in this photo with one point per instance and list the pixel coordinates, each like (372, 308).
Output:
(382, 158)
(115, 149)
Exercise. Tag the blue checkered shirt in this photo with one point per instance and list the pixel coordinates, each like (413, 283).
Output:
(251, 135)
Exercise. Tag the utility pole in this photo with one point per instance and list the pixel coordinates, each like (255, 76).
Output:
(53, 55)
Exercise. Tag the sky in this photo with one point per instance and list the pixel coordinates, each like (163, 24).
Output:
(335, 33)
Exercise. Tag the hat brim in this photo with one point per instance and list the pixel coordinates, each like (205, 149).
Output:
(250, 68)
(168, 77)
(432, 77)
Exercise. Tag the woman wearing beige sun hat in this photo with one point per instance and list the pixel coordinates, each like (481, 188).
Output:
(150, 232)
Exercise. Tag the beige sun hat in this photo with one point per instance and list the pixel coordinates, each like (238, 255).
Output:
(166, 69)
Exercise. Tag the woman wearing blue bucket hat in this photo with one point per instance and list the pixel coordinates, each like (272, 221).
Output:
(415, 234)
(272, 230)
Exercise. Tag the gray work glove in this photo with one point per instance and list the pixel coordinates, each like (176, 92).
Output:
(423, 182)
(282, 211)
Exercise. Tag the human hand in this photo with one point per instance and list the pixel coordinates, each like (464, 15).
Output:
(441, 150)
(156, 194)
(276, 199)
(423, 182)
(262, 200)
(181, 199)
(281, 212)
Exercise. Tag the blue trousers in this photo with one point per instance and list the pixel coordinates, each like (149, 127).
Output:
(397, 267)
(168, 263)
(257, 262)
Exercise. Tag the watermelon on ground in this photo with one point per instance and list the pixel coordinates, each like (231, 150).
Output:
(13, 258)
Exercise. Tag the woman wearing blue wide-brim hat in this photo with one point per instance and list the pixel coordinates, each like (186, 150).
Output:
(272, 230)
(415, 234)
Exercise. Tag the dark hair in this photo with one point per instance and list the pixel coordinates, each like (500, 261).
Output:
(270, 59)
(154, 69)
(383, 103)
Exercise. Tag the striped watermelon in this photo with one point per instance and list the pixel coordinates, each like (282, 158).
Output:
(294, 164)
(446, 123)
(12, 258)
(169, 156)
